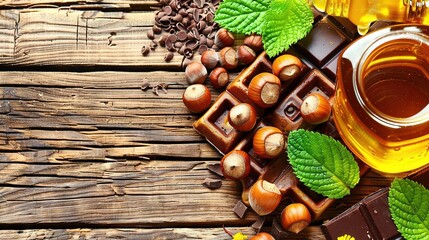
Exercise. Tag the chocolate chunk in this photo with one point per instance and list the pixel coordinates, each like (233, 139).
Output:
(240, 209)
(277, 230)
(257, 226)
(368, 219)
(322, 43)
(422, 177)
(215, 168)
(212, 183)
(345, 26)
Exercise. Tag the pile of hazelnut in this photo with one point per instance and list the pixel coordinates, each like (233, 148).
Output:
(268, 141)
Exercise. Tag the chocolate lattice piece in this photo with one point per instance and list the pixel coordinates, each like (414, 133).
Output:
(318, 52)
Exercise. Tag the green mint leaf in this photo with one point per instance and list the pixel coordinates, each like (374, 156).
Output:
(242, 16)
(409, 207)
(322, 163)
(286, 22)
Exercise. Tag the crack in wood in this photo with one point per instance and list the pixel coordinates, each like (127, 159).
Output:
(16, 33)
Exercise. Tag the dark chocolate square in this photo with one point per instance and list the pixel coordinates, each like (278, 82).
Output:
(322, 43)
(352, 222)
(377, 207)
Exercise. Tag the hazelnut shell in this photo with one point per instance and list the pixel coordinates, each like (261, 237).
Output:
(315, 109)
(264, 89)
(264, 197)
(197, 98)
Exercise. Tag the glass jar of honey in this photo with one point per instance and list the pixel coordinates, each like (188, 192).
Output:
(381, 106)
(363, 12)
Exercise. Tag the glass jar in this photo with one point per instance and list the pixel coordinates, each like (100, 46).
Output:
(363, 12)
(381, 106)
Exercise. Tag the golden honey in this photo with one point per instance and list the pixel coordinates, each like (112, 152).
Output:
(363, 12)
(381, 105)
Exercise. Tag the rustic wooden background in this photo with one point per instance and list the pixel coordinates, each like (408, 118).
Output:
(85, 153)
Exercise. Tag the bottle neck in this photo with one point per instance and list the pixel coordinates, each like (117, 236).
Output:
(416, 10)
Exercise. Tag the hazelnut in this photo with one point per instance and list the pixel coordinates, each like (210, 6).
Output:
(228, 58)
(219, 77)
(264, 197)
(263, 236)
(195, 72)
(315, 109)
(268, 142)
(245, 55)
(235, 165)
(254, 41)
(287, 67)
(264, 89)
(197, 98)
(242, 117)
(223, 38)
(295, 217)
(210, 59)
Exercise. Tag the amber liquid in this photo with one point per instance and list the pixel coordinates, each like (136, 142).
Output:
(383, 114)
(363, 12)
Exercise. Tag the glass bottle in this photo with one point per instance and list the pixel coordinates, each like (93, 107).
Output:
(363, 12)
(381, 107)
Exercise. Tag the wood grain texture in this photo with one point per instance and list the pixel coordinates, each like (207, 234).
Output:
(133, 233)
(75, 143)
(43, 36)
(86, 154)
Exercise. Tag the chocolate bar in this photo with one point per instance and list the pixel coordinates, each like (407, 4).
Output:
(368, 219)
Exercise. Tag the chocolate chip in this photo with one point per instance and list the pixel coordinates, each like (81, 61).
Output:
(181, 35)
(168, 56)
(240, 209)
(172, 38)
(168, 10)
(202, 49)
(156, 29)
(212, 183)
(189, 24)
(150, 34)
(145, 50)
(153, 45)
(188, 52)
(177, 18)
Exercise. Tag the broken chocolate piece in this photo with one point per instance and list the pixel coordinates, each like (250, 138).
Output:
(240, 209)
(215, 168)
(421, 176)
(368, 219)
(212, 183)
(277, 230)
(257, 226)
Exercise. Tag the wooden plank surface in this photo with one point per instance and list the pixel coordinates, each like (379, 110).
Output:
(42, 37)
(85, 153)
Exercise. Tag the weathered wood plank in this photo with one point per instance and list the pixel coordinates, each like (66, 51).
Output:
(80, 110)
(134, 193)
(312, 232)
(76, 38)
(148, 151)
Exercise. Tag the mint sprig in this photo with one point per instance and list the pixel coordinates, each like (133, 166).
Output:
(322, 163)
(280, 22)
(287, 21)
(242, 16)
(409, 207)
